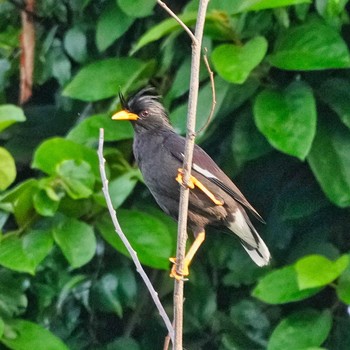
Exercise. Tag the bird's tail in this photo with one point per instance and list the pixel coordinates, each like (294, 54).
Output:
(250, 239)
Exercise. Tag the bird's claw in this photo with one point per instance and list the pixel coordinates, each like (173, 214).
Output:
(177, 275)
(192, 182)
(180, 179)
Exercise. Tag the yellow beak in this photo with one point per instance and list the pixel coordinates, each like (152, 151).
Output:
(125, 115)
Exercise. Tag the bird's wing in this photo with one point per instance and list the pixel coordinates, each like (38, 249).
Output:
(204, 165)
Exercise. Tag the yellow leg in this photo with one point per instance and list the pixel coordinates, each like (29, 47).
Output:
(194, 182)
(188, 258)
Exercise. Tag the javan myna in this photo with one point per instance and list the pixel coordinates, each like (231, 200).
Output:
(214, 198)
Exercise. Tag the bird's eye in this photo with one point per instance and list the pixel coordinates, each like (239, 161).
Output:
(144, 114)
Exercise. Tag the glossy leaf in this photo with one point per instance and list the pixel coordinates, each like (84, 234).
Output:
(234, 63)
(281, 286)
(335, 93)
(14, 257)
(103, 79)
(52, 152)
(311, 46)
(25, 254)
(301, 330)
(22, 335)
(287, 118)
(77, 178)
(7, 169)
(10, 114)
(137, 8)
(76, 240)
(318, 271)
(37, 244)
(87, 132)
(329, 160)
(111, 25)
(148, 236)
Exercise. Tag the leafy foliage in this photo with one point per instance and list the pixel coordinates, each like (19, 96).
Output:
(280, 129)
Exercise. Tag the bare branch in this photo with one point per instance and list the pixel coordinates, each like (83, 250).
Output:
(212, 82)
(125, 241)
(187, 164)
(177, 19)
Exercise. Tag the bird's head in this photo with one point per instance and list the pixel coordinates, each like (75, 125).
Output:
(144, 111)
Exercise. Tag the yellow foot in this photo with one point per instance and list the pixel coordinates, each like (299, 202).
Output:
(195, 182)
(179, 179)
(175, 274)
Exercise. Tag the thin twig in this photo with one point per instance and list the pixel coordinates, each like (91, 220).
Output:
(122, 236)
(177, 19)
(187, 164)
(212, 83)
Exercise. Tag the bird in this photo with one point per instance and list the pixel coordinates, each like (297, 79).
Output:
(214, 200)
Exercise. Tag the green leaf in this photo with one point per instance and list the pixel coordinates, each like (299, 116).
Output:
(343, 286)
(123, 343)
(311, 46)
(234, 63)
(329, 160)
(77, 178)
(121, 187)
(148, 236)
(24, 335)
(61, 66)
(111, 25)
(335, 92)
(287, 118)
(301, 330)
(37, 244)
(2, 327)
(32, 250)
(87, 132)
(10, 114)
(105, 294)
(21, 201)
(247, 141)
(164, 28)
(13, 300)
(44, 204)
(104, 78)
(255, 5)
(75, 44)
(281, 286)
(54, 151)
(178, 115)
(14, 257)
(137, 8)
(76, 240)
(7, 169)
(318, 271)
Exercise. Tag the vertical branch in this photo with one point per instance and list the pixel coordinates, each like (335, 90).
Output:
(27, 51)
(187, 164)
